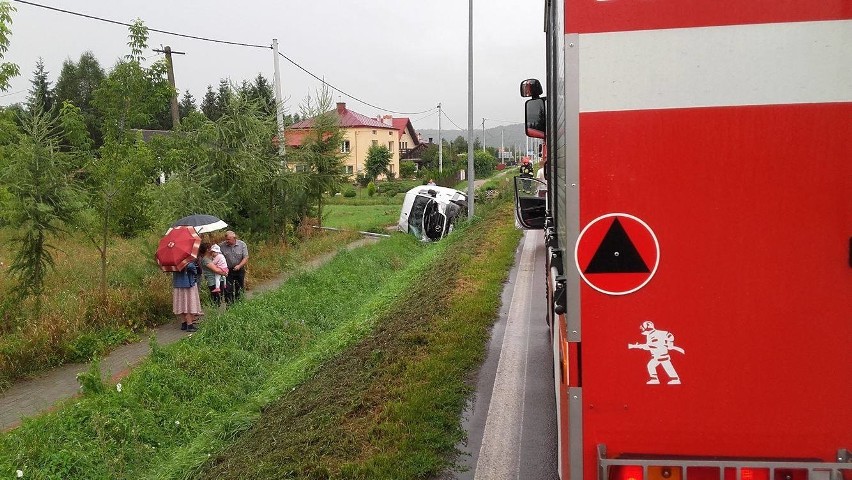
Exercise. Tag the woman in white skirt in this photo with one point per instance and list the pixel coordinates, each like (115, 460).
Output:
(186, 303)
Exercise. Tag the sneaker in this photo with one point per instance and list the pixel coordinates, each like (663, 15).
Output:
(183, 326)
(191, 328)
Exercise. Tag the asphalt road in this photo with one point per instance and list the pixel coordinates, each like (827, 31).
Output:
(511, 420)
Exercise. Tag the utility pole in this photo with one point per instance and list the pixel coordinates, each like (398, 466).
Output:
(440, 143)
(171, 73)
(502, 155)
(470, 173)
(483, 134)
(279, 104)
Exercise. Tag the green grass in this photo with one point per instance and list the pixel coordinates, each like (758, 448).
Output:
(389, 406)
(194, 397)
(371, 218)
(356, 370)
(74, 325)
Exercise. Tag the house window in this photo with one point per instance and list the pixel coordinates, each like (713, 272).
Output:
(375, 142)
(374, 132)
(390, 133)
(390, 146)
(350, 169)
(302, 168)
(403, 145)
(344, 146)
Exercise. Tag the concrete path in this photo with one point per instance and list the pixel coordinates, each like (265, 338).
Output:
(30, 397)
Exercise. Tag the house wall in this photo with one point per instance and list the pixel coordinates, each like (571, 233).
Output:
(360, 140)
(407, 139)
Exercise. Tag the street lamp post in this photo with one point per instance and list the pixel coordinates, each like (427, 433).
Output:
(470, 172)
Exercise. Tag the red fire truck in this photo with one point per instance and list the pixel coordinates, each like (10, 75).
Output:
(699, 227)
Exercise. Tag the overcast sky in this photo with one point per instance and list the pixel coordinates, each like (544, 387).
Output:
(420, 49)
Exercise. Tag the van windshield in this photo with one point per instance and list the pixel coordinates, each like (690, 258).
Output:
(415, 219)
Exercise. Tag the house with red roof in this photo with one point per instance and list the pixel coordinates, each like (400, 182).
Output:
(360, 132)
(409, 140)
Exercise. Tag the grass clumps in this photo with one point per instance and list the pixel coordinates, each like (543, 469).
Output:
(358, 370)
(192, 398)
(389, 406)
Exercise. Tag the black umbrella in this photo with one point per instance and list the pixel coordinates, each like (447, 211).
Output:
(202, 223)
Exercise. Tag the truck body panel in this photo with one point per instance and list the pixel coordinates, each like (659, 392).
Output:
(726, 127)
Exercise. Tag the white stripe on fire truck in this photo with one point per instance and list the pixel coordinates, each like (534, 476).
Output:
(765, 64)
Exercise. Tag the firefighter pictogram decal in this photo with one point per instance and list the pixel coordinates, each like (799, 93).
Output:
(659, 343)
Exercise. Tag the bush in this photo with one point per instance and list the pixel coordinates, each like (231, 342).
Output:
(406, 169)
(349, 193)
(484, 163)
(371, 189)
(391, 189)
(362, 179)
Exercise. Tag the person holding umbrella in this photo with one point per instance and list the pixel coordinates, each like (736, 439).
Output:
(236, 254)
(186, 303)
(176, 253)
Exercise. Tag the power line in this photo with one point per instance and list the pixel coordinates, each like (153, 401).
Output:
(226, 42)
(13, 93)
(348, 95)
(451, 120)
(424, 117)
(509, 122)
(116, 22)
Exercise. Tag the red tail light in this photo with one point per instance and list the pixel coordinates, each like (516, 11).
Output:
(626, 472)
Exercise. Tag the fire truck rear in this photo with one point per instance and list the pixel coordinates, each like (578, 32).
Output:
(699, 224)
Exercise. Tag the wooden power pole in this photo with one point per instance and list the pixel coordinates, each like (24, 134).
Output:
(171, 73)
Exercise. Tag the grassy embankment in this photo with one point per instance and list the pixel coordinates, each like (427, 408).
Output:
(411, 321)
(74, 324)
(389, 406)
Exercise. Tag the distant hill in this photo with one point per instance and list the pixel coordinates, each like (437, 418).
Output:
(513, 135)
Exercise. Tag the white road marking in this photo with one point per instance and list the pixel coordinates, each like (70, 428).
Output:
(499, 456)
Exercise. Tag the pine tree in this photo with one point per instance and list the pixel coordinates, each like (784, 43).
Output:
(223, 97)
(208, 104)
(261, 90)
(40, 95)
(77, 83)
(187, 105)
(67, 85)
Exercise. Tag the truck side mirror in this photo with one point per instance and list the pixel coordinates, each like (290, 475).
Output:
(531, 88)
(535, 118)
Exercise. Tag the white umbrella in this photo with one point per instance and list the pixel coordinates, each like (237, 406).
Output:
(202, 223)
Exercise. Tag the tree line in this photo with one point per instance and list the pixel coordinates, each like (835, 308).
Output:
(73, 158)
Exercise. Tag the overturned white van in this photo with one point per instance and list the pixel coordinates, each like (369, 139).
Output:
(429, 212)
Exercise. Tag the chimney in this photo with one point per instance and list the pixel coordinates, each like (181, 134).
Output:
(388, 120)
(341, 107)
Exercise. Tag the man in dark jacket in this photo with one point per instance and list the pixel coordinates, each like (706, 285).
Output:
(236, 254)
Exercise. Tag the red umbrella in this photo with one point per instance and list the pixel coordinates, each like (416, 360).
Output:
(177, 248)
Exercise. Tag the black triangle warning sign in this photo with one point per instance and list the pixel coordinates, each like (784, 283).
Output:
(616, 254)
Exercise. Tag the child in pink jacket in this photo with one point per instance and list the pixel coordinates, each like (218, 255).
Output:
(219, 261)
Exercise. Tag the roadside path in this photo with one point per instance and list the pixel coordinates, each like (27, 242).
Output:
(30, 397)
(511, 419)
